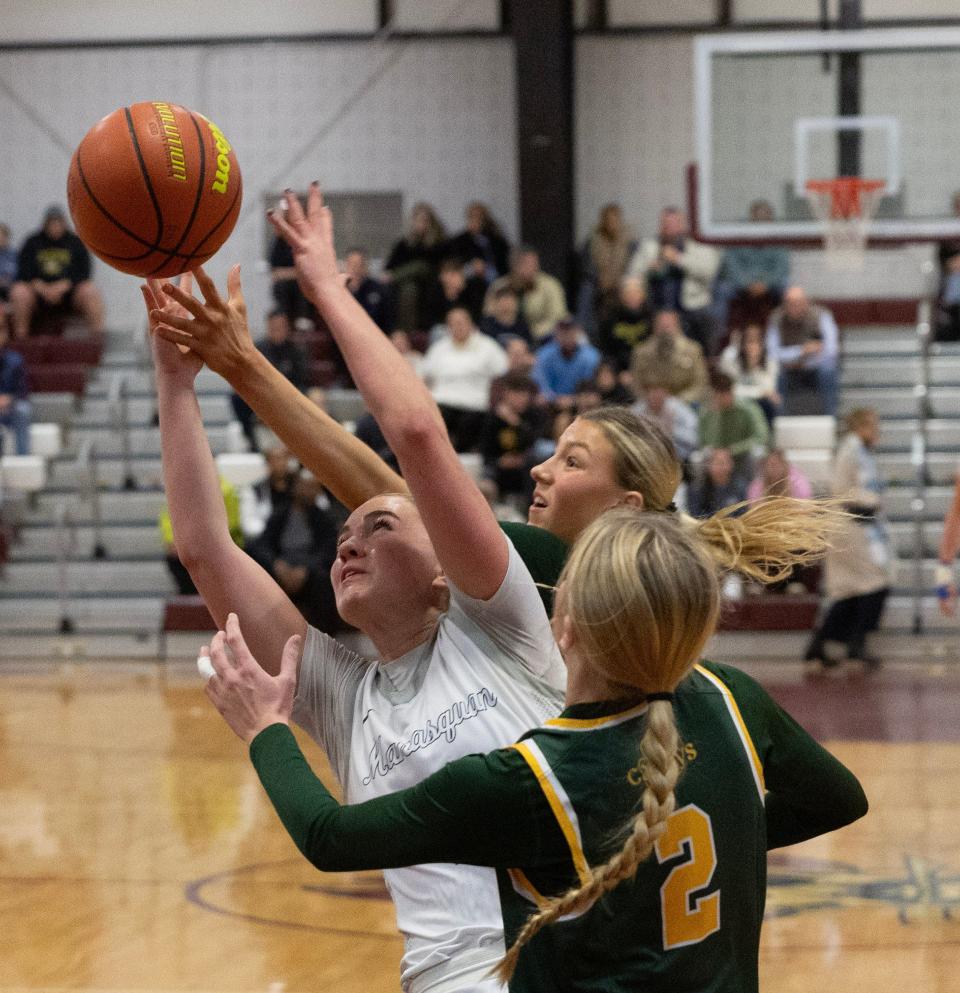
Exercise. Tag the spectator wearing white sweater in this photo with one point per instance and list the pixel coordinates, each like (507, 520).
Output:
(459, 369)
(753, 369)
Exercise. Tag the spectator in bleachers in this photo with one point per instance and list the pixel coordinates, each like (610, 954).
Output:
(605, 258)
(721, 485)
(752, 278)
(54, 277)
(564, 361)
(679, 274)
(459, 369)
(738, 426)
(453, 288)
(803, 340)
(542, 300)
(778, 477)
(185, 585)
(519, 356)
(948, 295)
(503, 319)
(629, 323)
(284, 355)
(753, 370)
(297, 547)
(611, 385)
(678, 419)
(370, 293)
(509, 432)
(259, 501)
(411, 266)
(481, 246)
(15, 407)
(858, 569)
(586, 396)
(671, 359)
(8, 266)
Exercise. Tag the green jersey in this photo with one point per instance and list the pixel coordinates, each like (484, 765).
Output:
(544, 809)
(543, 554)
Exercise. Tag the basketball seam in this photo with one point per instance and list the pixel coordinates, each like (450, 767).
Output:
(151, 248)
(219, 223)
(144, 172)
(175, 251)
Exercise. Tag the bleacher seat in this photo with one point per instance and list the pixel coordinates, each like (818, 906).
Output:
(23, 473)
(46, 349)
(58, 378)
(183, 613)
(770, 612)
(241, 468)
(45, 439)
(808, 442)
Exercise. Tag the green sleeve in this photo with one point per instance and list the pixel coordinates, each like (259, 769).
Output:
(481, 809)
(809, 792)
(543, 554)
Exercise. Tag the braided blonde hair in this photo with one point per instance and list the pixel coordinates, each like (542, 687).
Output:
(641, 590)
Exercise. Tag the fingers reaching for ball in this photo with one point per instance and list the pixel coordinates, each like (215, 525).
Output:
(310, 236)
(248, 698)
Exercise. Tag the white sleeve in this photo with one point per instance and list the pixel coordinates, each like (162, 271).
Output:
(514, 619)
(327, 687)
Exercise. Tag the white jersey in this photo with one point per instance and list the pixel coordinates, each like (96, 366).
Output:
(491, 672)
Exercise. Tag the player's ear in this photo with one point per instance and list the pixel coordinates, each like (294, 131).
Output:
(440, 592)
(564, 632)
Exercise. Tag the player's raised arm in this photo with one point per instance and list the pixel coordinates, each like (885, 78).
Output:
(219, 334)
(467, 539)
(227, 578)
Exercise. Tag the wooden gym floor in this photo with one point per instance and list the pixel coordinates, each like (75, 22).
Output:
(138, 854)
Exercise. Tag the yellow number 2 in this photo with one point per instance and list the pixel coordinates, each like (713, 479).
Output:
(688, 919)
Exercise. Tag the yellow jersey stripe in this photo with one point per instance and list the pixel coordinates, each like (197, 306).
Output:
(594, 723)
(756, 765)
(559, 803)
(525, 888)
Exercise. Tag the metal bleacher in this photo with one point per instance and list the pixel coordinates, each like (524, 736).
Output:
(915, 387)
(107, 599)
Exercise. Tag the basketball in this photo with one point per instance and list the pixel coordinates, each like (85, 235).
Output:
(154, 189)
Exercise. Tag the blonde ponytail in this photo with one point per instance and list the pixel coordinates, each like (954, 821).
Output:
(660, 760)
(766, 539)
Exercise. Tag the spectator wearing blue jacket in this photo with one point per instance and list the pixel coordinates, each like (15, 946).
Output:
(753, 278)
(566, 360)
(15, 408)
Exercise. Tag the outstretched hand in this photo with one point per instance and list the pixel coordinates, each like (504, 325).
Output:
(248, 698)
(310, 236)
(215, 329)
(170, 361)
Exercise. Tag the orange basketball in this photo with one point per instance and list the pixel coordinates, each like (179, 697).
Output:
(154, 189)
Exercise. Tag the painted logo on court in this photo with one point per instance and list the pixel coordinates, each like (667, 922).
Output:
(923, 889)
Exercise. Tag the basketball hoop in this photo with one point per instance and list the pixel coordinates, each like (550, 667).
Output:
(845, 206)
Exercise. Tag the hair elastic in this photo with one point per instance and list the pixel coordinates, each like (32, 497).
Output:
(660, 696)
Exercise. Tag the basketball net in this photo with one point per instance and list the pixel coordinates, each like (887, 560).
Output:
(845, 206)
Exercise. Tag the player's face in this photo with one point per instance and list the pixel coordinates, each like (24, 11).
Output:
(385, 562)
(577, 483)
